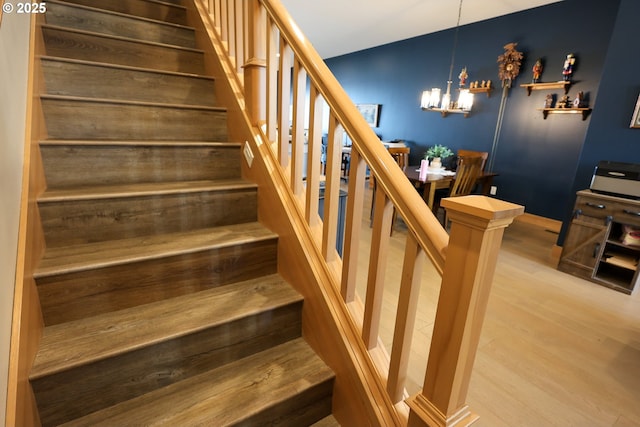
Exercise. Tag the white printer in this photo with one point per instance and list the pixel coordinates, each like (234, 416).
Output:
(617, 179)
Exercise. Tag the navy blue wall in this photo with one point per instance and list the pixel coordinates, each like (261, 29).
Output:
(609, 136)
(537, 159)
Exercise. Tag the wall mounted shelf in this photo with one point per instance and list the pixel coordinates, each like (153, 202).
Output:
(584, 111)
(445, 113)
(546, 86)
(486, 90)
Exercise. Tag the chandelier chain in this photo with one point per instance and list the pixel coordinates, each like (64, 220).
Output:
(455, 42)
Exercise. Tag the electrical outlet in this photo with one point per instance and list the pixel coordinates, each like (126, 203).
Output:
(494, 190)
(248, 154)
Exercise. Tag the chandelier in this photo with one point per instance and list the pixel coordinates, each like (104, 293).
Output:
(431, 100)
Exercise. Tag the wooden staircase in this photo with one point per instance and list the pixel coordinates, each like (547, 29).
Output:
(159, 288)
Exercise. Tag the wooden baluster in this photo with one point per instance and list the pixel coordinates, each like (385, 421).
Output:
(477, 226)
(245, 29)
(314, 155)
(240, 52)
(355, 201)
(231, 31)
(332, 189)
(297, 135)
(272, 81)
(255, 67)
(284, 102)
(382, 215)
(222, 18)
(216, 11)
(414, 258)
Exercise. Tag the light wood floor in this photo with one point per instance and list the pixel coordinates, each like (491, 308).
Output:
(555, 350)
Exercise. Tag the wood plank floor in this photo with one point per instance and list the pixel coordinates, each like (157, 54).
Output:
(555, 350)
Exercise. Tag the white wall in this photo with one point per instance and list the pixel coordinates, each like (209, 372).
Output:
(14, 50)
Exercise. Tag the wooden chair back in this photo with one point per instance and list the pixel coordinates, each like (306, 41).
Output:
(471, 153)
(400, 155)
(469, 169)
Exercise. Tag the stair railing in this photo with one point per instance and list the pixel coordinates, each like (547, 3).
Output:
(289, 108)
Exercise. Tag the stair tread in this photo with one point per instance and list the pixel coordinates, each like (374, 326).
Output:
(126, 15)
(126, 39)
(159, 2)
(78, 342)
(139, 143)
(66, 259)
(329, 421)
(142, 189)
(127, 102)
(228, 395)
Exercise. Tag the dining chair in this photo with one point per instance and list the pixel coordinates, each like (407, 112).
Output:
(470, 153)
(467, 173)
(401, 156)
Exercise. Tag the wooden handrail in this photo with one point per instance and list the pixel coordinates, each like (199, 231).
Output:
(262, 40)
(409, 204)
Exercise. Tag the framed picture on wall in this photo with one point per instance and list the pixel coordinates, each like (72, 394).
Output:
(635, 119)
(370, 112)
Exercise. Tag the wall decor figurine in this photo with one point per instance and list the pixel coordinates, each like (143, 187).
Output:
(548, 101)
(564, 102)
(537, 71)
(509, 64)
(463, 77)
(567, 68)
(578, 102)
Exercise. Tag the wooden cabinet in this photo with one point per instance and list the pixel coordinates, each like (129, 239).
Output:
(597, 244)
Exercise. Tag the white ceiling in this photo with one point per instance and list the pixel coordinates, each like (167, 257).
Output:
(337, 27)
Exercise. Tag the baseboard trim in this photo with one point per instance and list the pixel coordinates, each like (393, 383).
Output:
(540, 221)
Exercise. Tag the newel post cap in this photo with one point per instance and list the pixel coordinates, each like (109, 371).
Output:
(481, 211)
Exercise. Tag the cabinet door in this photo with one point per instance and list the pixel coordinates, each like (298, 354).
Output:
(583, 245)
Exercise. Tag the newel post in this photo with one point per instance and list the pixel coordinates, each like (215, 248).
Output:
(477, 227)
(256, 64)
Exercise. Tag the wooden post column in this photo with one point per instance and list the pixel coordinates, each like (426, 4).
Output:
(255, 66)
(477, 227)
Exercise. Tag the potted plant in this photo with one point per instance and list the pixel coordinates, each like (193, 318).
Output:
(436, 154)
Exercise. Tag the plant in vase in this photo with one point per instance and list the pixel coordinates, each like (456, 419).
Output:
(437, 153)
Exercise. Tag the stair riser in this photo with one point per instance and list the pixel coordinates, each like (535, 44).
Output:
(84, 165)
(142, 8)
(105, 23)
(80, 391)
(89, 81)
(77, 295)
(79, 120)
(90, 47)
(304, 409)
(68, 223)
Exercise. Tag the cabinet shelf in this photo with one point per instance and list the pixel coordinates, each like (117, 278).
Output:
(615, 277)
(624, 262)
(623, 246)
(584, 111)
(546, 86)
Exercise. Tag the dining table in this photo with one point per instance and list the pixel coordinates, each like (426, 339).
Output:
(442, 178)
